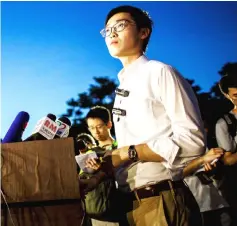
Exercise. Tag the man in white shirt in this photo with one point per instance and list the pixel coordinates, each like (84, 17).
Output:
(157, 123)
(227, 139)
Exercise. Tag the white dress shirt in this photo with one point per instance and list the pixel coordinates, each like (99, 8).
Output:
(162, 111)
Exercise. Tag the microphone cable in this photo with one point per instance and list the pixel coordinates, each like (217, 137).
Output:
(8, 208)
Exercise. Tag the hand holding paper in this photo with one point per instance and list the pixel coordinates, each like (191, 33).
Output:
(82, 159)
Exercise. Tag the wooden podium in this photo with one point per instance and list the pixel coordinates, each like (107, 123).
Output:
(39, 181)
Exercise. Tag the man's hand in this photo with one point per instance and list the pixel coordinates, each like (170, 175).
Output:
(214, 153)
(209, 167)
(93, 163)
(205, 160)
(210, 157)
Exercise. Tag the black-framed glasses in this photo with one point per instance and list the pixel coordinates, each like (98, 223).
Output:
(100, 126)
(119, 26)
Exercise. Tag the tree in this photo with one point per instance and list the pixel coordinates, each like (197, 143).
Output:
(212, 104)
(100, 93)
(227, 69)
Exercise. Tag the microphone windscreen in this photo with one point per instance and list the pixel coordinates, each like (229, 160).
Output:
(14, 133)
(64, 125)
(45, 129)
(65, 120)
(51, 116)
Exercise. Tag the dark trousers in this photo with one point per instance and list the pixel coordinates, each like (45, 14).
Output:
(219, 217)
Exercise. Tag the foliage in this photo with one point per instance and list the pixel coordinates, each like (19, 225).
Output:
(212, 104)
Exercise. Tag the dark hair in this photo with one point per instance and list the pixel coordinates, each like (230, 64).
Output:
(140, 17)
(228, 81)
(100, 112)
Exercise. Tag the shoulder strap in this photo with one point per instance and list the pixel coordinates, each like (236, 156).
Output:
(110, 147)
(231, 123)
(99, 151)
(90, 151)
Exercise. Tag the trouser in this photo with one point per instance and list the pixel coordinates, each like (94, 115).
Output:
(229, 191)
(219, 217)
(233, 208)
(173, 207)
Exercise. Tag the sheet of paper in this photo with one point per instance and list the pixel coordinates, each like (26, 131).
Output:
(81, 161)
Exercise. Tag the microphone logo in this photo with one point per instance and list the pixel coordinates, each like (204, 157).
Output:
(51, 125)
(46, 127)
(63, 129)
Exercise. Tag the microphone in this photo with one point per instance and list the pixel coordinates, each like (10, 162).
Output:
(45, 129)
(64, 125)
(51, 116)
(14, 133)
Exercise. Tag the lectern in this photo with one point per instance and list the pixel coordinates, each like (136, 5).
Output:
(39, 181)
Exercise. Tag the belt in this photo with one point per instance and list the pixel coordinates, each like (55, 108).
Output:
(155, 189)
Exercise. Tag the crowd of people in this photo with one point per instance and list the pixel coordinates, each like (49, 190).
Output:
(159, 171)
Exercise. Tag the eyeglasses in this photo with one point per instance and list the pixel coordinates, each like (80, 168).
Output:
(92, 128)
(119, 26)
(234, 98)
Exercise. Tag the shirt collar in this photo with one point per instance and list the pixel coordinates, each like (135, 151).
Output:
(133, 66)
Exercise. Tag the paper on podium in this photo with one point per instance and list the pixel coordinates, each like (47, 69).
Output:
(81, 161)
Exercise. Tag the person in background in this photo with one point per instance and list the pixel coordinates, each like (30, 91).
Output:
(214, 208)
(99, 123)
(226, 138)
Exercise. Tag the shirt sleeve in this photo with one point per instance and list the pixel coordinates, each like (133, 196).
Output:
(187, 138)
(223, 138)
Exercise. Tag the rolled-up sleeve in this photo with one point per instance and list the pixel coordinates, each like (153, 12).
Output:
(187, 138)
